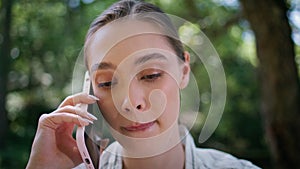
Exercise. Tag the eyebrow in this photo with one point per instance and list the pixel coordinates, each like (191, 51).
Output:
(102, 65)
(141, 60)
(152, 56)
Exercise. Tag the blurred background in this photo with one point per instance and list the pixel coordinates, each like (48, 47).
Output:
(258, 43)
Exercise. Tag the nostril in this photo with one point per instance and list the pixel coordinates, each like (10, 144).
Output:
(139, 107)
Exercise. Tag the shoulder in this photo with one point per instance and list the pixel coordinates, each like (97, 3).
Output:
(112, 157)
(80, 166)
(212, 158)
(209, 158)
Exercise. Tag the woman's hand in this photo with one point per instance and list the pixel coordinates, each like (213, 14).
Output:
(53, 145)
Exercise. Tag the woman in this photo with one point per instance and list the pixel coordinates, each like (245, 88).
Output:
(137, 67)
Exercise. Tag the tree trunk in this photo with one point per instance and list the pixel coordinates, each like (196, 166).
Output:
(280, 88)
(4, 65)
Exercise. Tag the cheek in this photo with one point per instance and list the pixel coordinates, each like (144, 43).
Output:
(171, 112)
(102, 94)
(108, 110)
(105, 99)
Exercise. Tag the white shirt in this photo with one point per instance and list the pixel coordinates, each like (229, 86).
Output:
(195, 158)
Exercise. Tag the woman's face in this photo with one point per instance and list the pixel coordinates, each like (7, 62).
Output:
(138, 82)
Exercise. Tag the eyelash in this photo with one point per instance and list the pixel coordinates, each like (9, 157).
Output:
(107, 85)
(104, 85)
(151, 77)
(147, 78)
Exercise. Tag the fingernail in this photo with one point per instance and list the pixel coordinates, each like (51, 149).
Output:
(88, 121)
(92, 116)
(91, 122)
(94, 97)
(84, 122)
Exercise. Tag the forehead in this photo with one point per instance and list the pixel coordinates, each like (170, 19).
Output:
(138, 46)
(121, 39)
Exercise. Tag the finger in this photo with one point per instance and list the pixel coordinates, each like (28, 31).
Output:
(79, 98)
(69, 147)
(54, 120)
(66, 143)
(76, 110)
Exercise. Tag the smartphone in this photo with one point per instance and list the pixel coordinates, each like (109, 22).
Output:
(81, 136)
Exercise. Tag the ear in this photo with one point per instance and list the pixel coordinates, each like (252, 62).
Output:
(185, 71)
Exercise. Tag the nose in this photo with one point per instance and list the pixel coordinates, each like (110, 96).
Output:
(135, 99)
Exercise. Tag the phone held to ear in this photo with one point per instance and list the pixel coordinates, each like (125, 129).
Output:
(90, 149)
(80, 136)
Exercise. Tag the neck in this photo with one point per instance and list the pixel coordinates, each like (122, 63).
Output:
(168, 152)
(172, 159)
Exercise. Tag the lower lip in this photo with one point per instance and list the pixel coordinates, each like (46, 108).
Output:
(140, 127)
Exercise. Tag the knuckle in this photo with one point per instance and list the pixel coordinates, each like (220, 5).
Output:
(43, 117)
(69, 97)
(66, 108)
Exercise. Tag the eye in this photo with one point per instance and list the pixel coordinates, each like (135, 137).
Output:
(104, 79)
(104, 84)
(151, 77)
(107, 85)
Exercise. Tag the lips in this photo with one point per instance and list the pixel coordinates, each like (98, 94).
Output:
(139, 126)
